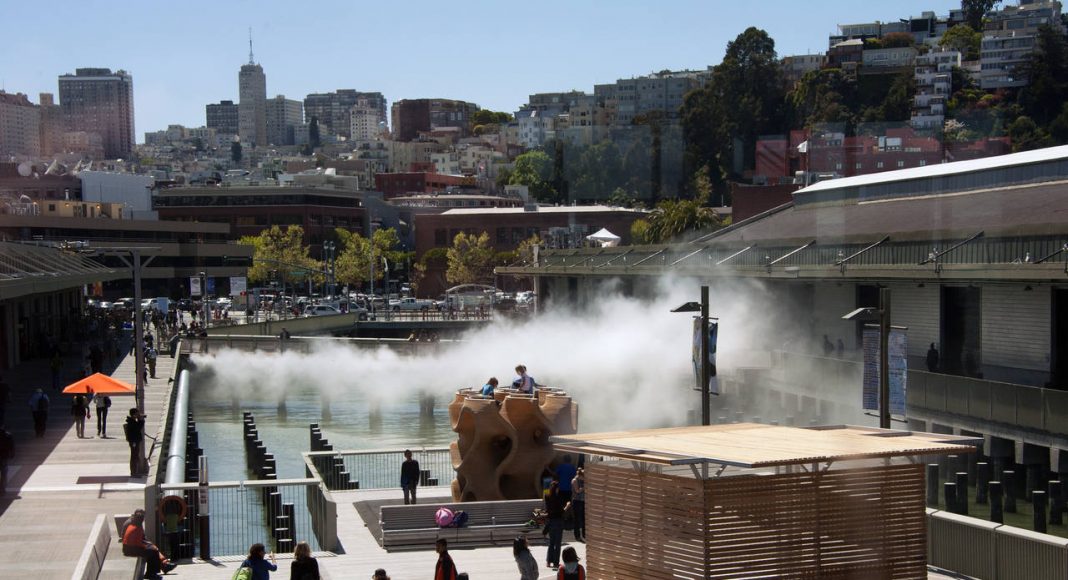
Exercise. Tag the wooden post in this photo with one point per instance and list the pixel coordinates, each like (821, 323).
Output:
(950, 495)
(1008, 481)
(962, 492)
(1038, 503)
(932, 485)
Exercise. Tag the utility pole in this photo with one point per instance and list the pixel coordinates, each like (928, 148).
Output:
(884, 358)
(135, 264)
(706, 365)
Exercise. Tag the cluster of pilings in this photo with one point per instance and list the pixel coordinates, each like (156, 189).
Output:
(999, 487)
(331, 467)
(280, 517)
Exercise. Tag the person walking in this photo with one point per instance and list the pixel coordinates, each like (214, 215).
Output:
(103, 403)
(578, 504)
(445, 568)
(79, 408)
(527, 563)
(150, 359)
(409, 477)
(7, 451)
(571, 570)
(39, 408)
(134, 429)
(932, 359)
(554, 511)
(304, 566)
(261, 568)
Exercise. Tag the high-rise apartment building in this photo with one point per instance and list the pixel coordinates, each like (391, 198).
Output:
(222, 117)
(333, 111)
(252, 104)
(52, 125)
(95, 100)
(282, 116)
(410, 116)
(367, 120)
(20, 126)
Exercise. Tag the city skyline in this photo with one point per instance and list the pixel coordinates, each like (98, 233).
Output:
(477, 52)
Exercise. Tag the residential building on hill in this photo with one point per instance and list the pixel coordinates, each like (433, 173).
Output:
(283, 115)
(334, 111)
(20, 126)
(223, 117)
(97, 101)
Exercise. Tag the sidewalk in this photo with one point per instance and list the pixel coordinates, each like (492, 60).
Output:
(59, 483)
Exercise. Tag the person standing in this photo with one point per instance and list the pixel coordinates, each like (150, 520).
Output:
(445, 569)
(39, 409)
(578, 504)
(932, 359)
(150, 359)
(304, 566)
(7, 451)
(134, 429)
(79, 408)
(409, 477)
(523, 382)
(554, 510)
(571, 570)
(103, 402)
(527, 563)
(261, 568)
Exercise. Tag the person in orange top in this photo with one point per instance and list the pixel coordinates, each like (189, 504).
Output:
(135, 545)
(445, 569)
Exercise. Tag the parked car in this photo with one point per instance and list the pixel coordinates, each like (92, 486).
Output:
(411, 304)
(320, 310)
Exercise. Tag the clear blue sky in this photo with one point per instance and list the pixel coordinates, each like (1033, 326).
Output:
(183, 55)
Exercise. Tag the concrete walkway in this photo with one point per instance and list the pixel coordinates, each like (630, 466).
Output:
(60, 483)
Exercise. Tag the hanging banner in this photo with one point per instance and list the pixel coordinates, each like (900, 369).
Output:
(211, 286)
(194, 286)
(898, 362)
(238, 285)
(713, 332)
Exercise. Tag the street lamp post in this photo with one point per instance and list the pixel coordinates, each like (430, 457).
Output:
(881, 315)
(205, 312)
(706, 365)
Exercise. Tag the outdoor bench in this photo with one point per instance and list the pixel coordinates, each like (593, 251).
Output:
(489, 523)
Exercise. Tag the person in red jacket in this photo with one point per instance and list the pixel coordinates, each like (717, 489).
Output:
(571, 570)
(135, 545)
(445, 569)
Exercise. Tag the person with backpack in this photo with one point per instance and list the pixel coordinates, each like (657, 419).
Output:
(7, 451)
(258, 566)
(134, 429)
(39, 410)
(150, 359)
(103, 403)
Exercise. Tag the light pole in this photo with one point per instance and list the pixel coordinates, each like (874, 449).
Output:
(328, 253)
(206, 314)
(706, 365)
(882, 316)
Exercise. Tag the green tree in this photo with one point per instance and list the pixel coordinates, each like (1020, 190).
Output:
(898, 40)
(470, 259)
(487, 117)
(282, 251)
(975, 10)
(1047, 75)
(431, 266)
(964, 39)
(639, 231)
(235, 152)
(1027, 135)
(599, 170)
(674, 217)
(534, 169)
(353, 265)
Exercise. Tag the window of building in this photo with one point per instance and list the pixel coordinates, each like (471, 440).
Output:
(900, 163)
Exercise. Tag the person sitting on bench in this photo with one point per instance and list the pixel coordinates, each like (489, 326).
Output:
(135, 545)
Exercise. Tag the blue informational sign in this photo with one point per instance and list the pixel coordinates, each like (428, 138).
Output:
(713, 337)
(211, 285)
(898, 347)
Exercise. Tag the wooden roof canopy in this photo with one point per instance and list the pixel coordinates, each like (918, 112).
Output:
(753, 445)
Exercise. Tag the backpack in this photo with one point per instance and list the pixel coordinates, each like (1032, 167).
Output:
(130, 431)
(242, 573)
(42, 403)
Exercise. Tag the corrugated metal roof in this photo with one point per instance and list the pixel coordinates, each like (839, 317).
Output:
(27, 269)
(930, 171)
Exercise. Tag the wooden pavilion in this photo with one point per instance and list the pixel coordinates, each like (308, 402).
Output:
(757, 501)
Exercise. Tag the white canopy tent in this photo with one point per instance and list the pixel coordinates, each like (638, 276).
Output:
(604, 237)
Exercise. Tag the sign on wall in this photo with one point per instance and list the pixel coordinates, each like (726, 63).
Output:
(898, 362)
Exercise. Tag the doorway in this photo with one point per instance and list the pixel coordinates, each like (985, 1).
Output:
(961, 354)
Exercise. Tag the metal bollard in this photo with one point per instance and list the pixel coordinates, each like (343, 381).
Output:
(1056, 503)
(982, 480)
(1033, 479)
(950, 495)
(962, 492)
(1008, 482)
(932, 485)
(997, 514)
(1038, 503)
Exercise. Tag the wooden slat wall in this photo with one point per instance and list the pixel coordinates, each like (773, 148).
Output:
(856, 523)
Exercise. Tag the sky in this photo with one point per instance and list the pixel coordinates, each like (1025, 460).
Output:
(187, 54)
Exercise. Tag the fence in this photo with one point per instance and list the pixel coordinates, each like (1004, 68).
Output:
(240, 514)
(380, 468)
(992, 551)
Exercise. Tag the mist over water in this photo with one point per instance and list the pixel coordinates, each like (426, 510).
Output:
(626, 361)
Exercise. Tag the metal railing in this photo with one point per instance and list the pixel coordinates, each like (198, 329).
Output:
(380, 468)
(982, 549)
(240, 514)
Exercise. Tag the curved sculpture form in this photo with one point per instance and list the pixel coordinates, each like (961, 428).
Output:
(502, 446)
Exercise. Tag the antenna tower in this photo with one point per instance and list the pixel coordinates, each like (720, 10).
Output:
(250, 60)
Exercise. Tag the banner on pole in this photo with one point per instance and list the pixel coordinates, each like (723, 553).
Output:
(238, 285)
(194, 286)
(713, 332)
(898, 362)
(211, 285)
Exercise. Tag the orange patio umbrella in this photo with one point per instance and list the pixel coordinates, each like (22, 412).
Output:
(101, 385)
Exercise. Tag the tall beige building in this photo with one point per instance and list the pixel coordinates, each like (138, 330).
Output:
(252, 105)
(52, 126)
(20, 126)
(95, 100)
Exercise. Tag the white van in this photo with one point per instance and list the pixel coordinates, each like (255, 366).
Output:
(160, 303)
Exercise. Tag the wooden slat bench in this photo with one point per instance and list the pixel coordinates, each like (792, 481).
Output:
(489, 523)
